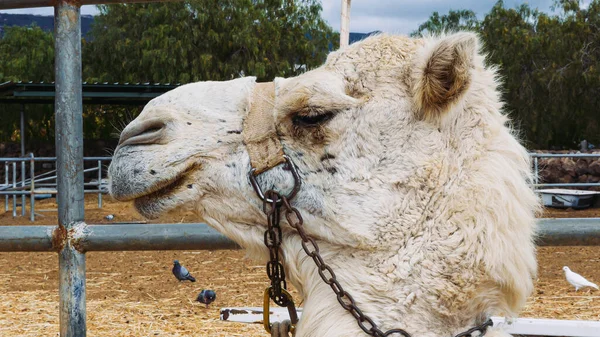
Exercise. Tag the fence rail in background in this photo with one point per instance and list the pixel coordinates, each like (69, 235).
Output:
(44, 183)
(26, 187)
(537, 156)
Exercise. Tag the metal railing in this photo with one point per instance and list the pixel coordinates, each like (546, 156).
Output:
(536, 168)
(26, 187)
(45, 183)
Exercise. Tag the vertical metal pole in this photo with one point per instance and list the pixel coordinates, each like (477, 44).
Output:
(69, 153)
(14, 185)
(345, 24)
(100, 183)
(22, 135)
(23, 198)
(32, 188)
(22, 130)
(6, 197)
(535, 162)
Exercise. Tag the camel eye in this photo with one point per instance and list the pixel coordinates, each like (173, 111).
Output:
(312, 120)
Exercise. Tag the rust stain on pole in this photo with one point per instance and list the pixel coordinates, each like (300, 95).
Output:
(59, 238)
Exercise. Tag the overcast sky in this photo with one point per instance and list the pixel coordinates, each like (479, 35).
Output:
(392, 16)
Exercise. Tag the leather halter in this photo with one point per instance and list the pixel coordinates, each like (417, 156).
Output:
(263, 144)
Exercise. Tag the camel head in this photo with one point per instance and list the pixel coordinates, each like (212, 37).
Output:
(413, 183)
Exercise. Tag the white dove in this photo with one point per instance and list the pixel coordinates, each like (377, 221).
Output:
(577, 280)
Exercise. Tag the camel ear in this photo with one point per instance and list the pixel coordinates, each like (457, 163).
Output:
(441, 73)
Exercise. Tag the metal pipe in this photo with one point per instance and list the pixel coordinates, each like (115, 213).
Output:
(567, 185)
(575, 155)
(52, 158)
(22, 130)
(26, 238)
(536, 177)
(13, 4)
(99, 183)
(345, 24)
(14, 184)
(6, 183)
(23, 198)
(569, 232)
(69, 164)
(22, 134)
(197, 236)
(153, 237)
(32, 186)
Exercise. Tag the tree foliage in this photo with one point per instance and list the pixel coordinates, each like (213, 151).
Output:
(207, 40)
(548, 64)
(548, 61)
(172, 42)
(26, 54)
(453, 21)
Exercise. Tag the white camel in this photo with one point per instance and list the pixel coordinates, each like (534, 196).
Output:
(414, 184)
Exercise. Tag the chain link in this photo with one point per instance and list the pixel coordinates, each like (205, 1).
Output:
(272, 239)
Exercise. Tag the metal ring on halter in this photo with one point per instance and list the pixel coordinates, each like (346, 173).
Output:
(291, 167)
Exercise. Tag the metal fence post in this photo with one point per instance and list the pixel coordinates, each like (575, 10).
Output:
(23, 197)
(536, 176)
(14, 186)
(6, 197)
(69, 153)
(99, 183)
(32, 187)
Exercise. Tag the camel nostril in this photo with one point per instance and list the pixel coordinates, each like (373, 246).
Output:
(144, 132)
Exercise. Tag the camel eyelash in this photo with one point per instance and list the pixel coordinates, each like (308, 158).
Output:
(312, 120)
(312, 116)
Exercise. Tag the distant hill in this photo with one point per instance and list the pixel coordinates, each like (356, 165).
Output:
(355, 37)
(44, 22)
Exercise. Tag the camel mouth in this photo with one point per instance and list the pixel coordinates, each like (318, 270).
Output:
(160, 200)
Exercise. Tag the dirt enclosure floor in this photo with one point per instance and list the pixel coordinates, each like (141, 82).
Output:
(135, 294)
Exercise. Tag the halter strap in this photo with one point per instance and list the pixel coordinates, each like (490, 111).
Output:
(264, 148)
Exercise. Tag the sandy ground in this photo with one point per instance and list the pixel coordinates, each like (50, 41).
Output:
(135, 294)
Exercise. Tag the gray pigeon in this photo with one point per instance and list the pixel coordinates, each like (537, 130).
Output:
(577, 280)
(181, 272)
(206, 297)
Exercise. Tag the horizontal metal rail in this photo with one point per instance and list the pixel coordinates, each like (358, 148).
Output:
(569, 232)
(87, 238)
(573, 155)
(198, 236)
(27, 159)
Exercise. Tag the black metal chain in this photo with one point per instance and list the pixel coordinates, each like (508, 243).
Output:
(272, 203)
(272, 240)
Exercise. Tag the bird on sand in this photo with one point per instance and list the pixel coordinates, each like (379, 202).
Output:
(577, 280)
(181, 272)
(206, 297)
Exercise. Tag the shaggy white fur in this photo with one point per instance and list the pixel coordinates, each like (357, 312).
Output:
(415, 188)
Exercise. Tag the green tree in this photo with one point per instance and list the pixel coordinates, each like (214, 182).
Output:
(548, 64)
(453, 21)
(26, 54)
(206, 40)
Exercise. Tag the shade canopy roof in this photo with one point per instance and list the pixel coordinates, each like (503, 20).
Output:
(93, 93)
